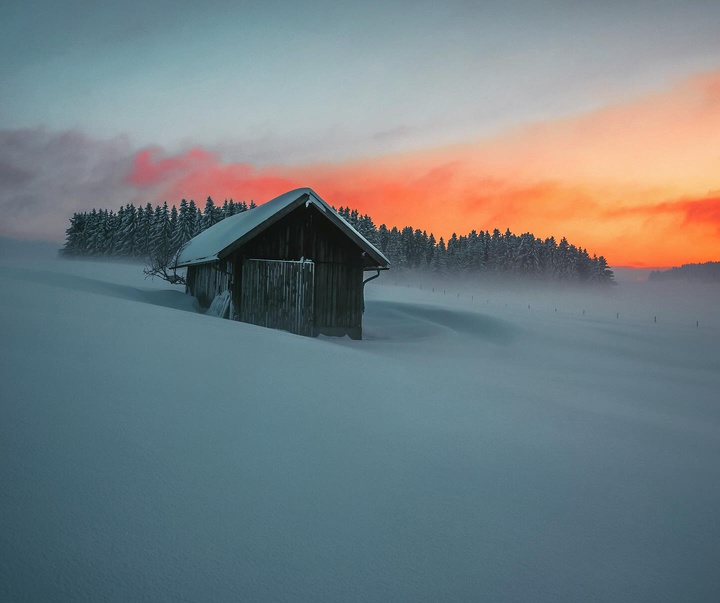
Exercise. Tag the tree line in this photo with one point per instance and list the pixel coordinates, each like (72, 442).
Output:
(143, 232)
(706, 272)
(483, 253)
(151, 232)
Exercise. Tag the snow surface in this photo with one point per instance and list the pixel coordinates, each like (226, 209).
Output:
(468, 449)
(208, 244)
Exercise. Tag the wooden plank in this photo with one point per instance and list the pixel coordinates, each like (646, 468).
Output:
(278, 294)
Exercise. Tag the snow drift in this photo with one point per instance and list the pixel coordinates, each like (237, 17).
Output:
(470, 448)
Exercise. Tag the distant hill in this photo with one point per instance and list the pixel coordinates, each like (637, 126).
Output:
(707, 272)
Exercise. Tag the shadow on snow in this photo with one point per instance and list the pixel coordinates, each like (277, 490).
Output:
(400, 321)
(167, 298)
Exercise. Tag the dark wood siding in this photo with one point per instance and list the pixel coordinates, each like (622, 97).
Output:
(205, 281)
(338, 299)
(307, 233)
(278, 294)
(304, 234)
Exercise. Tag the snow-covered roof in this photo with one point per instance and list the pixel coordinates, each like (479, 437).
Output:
(227, 235)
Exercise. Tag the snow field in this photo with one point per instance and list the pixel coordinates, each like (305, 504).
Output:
(459, 452)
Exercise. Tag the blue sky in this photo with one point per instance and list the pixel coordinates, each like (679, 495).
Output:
(289, 82)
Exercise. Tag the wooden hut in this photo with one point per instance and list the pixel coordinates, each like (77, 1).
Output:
(292, 263)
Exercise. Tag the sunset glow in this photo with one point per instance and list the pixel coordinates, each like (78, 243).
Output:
(595, 122)
(635, 182)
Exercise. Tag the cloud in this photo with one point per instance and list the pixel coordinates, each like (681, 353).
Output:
(702, 212)
(198, 173)
(11, 175)
(46, 176)
(150, 168)
(397, 132)
(630, 181)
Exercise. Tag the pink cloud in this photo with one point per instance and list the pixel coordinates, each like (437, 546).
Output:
(630, 182)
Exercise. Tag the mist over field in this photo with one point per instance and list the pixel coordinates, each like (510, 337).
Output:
(482, 442)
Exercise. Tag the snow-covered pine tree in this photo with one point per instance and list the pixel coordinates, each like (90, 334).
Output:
(105, 233)
(526, 260)
(110, 226)
(162, 234)
(429, 252)
(94, 234)
(125, 243)
(143, 236)
(212, 215)
(138, 237)
(383, 236)
(394, 249)
(74, 235)
(419, 243)
(173, 219)
(547, 255)
(601, 272)
(366, 227)
(564, 267)
(571, 263)
(452, 253)
(233, 208)
(198, 219)
(185, 224)
(439, 262)
(405, 249)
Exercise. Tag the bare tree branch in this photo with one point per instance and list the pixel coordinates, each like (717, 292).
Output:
(163, 265)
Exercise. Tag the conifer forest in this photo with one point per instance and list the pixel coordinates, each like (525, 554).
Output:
(145, 232)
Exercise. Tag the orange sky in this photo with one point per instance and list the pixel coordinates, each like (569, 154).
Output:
(638, 182)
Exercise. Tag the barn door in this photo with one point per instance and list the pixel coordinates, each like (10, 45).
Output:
(278, 294)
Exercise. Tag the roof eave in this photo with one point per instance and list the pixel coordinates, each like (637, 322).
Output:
(196, 261)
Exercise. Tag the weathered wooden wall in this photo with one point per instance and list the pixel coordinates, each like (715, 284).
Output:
(205, 281)
(304, 234)
(307, 233)
(278, 294)
(338, 299)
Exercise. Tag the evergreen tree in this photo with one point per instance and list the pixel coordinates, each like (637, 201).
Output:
(383, 237)
(526, 259)
(158, 231)
(211, 216)
(127, 227)
(198, 220)
(185, 224)
(439, 262)
(74, 235)
(394, 249)
(161, 245)
(429, 251)
(95, 233)
(173, 219)
(144, 232)
(601, 271)
(108, 233)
